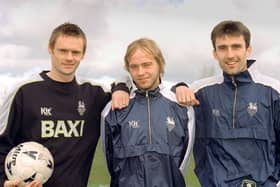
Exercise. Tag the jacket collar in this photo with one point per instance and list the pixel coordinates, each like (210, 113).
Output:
(241, 78)
(148, 92)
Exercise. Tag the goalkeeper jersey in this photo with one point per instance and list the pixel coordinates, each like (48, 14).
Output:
(65, 117)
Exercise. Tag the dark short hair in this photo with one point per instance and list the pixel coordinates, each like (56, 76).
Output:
(232, 28)
(67, 29)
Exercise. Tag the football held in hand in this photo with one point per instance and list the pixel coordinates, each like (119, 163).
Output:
(29, 161)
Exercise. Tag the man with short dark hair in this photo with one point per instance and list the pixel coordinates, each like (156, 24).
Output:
(238, 120)
(57, 110)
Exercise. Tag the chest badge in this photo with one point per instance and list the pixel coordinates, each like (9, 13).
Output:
(81, 107)
(248, 183)
(252, 108)
(170, 123)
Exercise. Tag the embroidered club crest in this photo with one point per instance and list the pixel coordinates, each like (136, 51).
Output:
(170, 123)
(252, 108)
(248, 183)
(81, 108)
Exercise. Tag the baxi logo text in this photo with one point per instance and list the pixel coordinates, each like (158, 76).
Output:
(62, 128)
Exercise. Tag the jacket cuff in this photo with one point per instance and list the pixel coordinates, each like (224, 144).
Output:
(119, 86)
(173, 89)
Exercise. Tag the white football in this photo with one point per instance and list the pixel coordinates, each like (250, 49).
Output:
(29, 161)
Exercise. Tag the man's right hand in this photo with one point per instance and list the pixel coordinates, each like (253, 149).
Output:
(11, 183)
(120, 99)
(15, 183)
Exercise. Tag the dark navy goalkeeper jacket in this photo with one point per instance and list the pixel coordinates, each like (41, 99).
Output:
(148, 143)
(237, 130)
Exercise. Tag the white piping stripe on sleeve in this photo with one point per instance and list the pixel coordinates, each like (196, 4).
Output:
(191, 130)
(166, 92)
(4, 111)
(265, 80)
(93, 83)
(8, 100)
(104, 113)
(196, 85)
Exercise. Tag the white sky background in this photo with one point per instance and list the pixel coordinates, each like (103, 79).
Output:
(180, 27)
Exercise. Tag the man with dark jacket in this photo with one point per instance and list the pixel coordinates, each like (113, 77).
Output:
(147, 144)
(57, 110)
(238, 120)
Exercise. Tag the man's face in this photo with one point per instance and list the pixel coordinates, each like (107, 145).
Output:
(232, 54)
(66, 56)
(144, 70)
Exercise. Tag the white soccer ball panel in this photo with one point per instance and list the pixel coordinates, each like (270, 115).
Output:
(29, 161)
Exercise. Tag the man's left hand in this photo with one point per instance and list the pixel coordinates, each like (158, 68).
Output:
(186, 96)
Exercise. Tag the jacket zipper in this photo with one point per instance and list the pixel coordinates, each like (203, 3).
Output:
(234, 102)
(149, 118)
